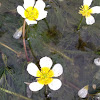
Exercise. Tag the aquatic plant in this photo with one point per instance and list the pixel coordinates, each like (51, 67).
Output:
(31, 11)
(87, 12)
(45, 76)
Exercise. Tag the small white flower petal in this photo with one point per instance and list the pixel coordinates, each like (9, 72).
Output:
(96, 10)
(87, 2)
(90, 20)
(45, 62)
(40, 5)
(55, 84)
(18, 33)
(82, 93)
(42, 14)
(32, 69)
(28, 3)
(97, 61)
(21, 10)
(35, 86)
(30, 22)
(57, 69)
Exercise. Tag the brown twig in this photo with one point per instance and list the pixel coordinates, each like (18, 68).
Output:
(18, 53)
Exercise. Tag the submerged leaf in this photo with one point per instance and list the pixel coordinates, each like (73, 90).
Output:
(1, 72)
(2, 80)
(4, 58)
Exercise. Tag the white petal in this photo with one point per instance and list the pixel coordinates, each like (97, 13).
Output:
(82, 93)
(58, 70)
(18, 33)
(55, 84)
(40, 5)
(28, 3)
(90, 20)
(32, 69)
(87, 2)
(35, 86)
(21, 10)
(97, 61)
(42, 14)
(95, 9)
(45, 62)
(30, 22)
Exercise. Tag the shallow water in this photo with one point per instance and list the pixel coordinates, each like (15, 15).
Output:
(56, 38)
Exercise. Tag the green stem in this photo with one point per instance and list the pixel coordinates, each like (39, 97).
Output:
(46, 89)
(46, 92)
(18, 95)
(47, 23)
(80, 23)
(29, 42)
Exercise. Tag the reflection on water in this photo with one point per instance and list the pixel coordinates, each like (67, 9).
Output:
(54, 37)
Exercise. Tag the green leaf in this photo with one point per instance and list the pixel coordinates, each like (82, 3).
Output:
(4, 58)
(1, 72)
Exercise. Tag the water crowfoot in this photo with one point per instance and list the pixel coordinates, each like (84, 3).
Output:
(86, 11)
(32, 13)
(45, 75)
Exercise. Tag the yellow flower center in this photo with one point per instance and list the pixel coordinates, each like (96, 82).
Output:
(85, 11)
(45, 75)
(31, 13)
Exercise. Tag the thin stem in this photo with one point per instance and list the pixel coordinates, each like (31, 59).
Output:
(46, 92)
(80, 23)
(31, 49)
(46, 89)
(30, 46)
(24, 40)
(46, 23)
(9, 48)
(18, 95)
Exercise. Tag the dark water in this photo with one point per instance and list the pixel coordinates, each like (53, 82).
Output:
(56, 38)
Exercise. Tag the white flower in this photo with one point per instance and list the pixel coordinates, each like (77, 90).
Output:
(86, 11)
(31, 11)
(82, 93)
(97, 61)
(46, 75)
